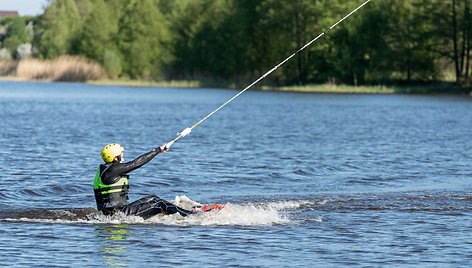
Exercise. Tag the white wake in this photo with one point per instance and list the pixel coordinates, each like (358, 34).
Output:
(247, 214)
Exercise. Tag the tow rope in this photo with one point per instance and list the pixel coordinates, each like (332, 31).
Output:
(187, 131)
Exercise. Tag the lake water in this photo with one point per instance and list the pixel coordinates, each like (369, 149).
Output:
(308, 179)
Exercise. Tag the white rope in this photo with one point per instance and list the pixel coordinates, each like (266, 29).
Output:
(187, 131)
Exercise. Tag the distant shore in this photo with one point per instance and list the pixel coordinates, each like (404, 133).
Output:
(82, 70)
(438, 88)
(433, 88)
(322, 88)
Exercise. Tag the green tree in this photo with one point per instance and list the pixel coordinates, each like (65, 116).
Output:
(99, 31)
(16, 34)
(460, 38)
(112, 63)
(199, 43)
(239, 40)
(143, 38)
(359, 48)
(412, 41)
(59, 27)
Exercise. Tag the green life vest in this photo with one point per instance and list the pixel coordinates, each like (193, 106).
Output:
(110, 196)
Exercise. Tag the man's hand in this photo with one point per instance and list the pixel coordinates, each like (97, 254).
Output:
(164, 148)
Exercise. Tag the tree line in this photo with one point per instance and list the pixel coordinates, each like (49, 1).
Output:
(388, 41)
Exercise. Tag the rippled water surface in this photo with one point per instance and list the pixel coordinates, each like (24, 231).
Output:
(307, 179)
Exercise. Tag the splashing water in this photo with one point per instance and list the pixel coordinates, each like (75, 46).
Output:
(249, 214)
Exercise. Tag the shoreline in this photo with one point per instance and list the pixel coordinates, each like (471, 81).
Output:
(333, 89)
(427, 89)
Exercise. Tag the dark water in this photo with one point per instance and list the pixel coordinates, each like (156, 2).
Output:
(307, 179)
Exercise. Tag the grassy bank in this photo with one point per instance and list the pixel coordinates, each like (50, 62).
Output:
(78, 69)
(323, 88)
(328, 88)
(65, 68)
(145, 83)
(432, 88)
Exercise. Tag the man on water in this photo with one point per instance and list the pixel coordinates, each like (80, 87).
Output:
(111, 186)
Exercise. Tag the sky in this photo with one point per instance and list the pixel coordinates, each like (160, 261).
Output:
(24, 7)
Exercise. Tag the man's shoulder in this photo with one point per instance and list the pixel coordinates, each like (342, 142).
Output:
(105, 167)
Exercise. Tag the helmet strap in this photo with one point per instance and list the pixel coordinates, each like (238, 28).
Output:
(117, 159)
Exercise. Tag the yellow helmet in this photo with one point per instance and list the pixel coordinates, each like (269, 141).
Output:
(111, 151)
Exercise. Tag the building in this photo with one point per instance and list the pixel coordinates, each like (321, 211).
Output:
(6, 13)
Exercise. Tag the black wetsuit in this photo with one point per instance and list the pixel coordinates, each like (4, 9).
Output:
(145, 207)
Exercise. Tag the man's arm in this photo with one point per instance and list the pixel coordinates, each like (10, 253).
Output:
(117, 169)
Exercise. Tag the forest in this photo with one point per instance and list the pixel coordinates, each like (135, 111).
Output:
(386, 42)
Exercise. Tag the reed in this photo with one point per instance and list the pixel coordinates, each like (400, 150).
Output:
(64, 68)
(8, 68)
